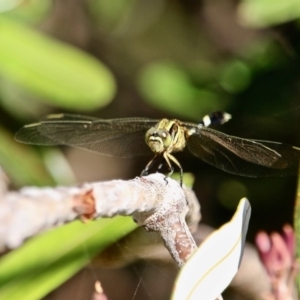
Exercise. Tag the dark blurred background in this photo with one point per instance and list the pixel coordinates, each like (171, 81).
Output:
(174, 59)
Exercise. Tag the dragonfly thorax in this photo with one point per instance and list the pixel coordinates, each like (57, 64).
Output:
(166, 136)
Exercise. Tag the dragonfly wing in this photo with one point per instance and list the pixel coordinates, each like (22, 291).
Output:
(120, 137)
(67, 117)
(245, 157)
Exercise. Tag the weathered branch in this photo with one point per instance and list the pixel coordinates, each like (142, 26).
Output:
(155, 202)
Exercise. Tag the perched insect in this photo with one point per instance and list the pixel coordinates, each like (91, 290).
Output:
(130, 137)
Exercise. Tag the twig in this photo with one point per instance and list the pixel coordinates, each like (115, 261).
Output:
(155, 202)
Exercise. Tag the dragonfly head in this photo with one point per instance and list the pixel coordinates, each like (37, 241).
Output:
(158, 140)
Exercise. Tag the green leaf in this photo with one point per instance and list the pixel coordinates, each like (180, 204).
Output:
(32, 11)
(263, 13)
(8, 5)
(45, 262)
(58, 73)
(21, 163)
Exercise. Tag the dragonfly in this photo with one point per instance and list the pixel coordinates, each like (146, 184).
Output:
(130, 137)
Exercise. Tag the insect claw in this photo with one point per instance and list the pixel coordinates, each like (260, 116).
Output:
(144, 173)
(165, 179)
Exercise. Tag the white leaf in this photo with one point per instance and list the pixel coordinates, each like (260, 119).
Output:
(211, 268)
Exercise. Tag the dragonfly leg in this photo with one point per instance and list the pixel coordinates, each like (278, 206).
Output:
(160, 166)
(149, 165)
(169, 157)
(166, 157)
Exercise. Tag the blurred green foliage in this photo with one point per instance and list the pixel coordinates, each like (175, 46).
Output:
(264, 13)
(43, 263)
(169, 88)
(153, 58)
(57, 73)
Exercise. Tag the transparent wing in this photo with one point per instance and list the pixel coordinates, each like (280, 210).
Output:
(245, 157)
(120, 137)
(67, 117)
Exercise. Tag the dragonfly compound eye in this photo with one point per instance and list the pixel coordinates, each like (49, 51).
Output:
(158, 139)
(165, 137)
